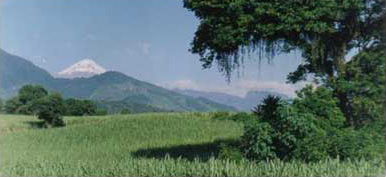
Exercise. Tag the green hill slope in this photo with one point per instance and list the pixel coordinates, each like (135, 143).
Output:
(108, 87)
(16, 72)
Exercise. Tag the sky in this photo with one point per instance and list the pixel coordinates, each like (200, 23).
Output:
(145, 39)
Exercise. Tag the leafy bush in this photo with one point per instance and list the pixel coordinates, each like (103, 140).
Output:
(51, 109)
(230, 152)
(322, 105)
(257, 141)
(309, 129)
(350, 143)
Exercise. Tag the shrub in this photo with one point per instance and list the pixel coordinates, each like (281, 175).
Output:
(230, 152)
(309, 129)
(313, 147)
(351, 144)
(51, 109)
(322, 105)
(257, 141)
(125, 111)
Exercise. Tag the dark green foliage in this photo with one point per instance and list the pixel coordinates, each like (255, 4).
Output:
(125, 111)
(12, 105)
(26, 101)
(75, 107)
(231, 152)
(257, 141)
(30, 93)
(50, 109)
(242, 117)
(323, 31)
(362, 88)
(1, 105)
(322, 105)
(267, 111)
(309, 129)
(350, 143)
(220, 115)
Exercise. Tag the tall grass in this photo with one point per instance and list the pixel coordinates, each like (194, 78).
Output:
(163, 144)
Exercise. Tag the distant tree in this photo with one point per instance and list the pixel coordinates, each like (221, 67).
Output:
(30, 93)
(89, 107)
(75, 107)
(1, 105)
(72, 108)
(125, 111)
(12, 105)
(51, 110)
(25, 102)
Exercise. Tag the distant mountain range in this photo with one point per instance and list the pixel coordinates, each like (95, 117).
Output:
(246, 103)
(106, 87)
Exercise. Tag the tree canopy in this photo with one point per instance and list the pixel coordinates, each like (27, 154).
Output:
(324, 31)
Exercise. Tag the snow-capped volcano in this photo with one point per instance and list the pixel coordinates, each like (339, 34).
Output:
(84, 68)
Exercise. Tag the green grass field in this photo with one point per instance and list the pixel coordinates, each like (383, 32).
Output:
(164, 144)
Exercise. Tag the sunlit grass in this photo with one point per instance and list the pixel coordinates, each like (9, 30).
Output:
(162, 144)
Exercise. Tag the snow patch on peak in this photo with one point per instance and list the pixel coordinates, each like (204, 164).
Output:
(84, 68)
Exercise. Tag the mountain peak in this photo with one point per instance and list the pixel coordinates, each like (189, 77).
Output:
(84, 68)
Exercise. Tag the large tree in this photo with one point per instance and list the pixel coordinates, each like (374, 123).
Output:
(323, 30)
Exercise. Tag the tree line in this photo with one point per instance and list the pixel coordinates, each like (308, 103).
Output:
(50, 107)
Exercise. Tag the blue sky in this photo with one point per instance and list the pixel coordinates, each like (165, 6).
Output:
(145, 39)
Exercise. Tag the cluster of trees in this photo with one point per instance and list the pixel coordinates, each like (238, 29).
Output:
(35, 100)
(27, 102)
(342, 117)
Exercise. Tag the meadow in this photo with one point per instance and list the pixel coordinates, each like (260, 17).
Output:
(154, 144)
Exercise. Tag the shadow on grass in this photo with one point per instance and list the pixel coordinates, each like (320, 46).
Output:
(189, 152)
(35, 124)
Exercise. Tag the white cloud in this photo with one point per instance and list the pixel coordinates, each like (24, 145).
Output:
(238, 88)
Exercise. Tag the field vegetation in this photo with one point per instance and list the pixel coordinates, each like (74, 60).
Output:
(154, 144)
